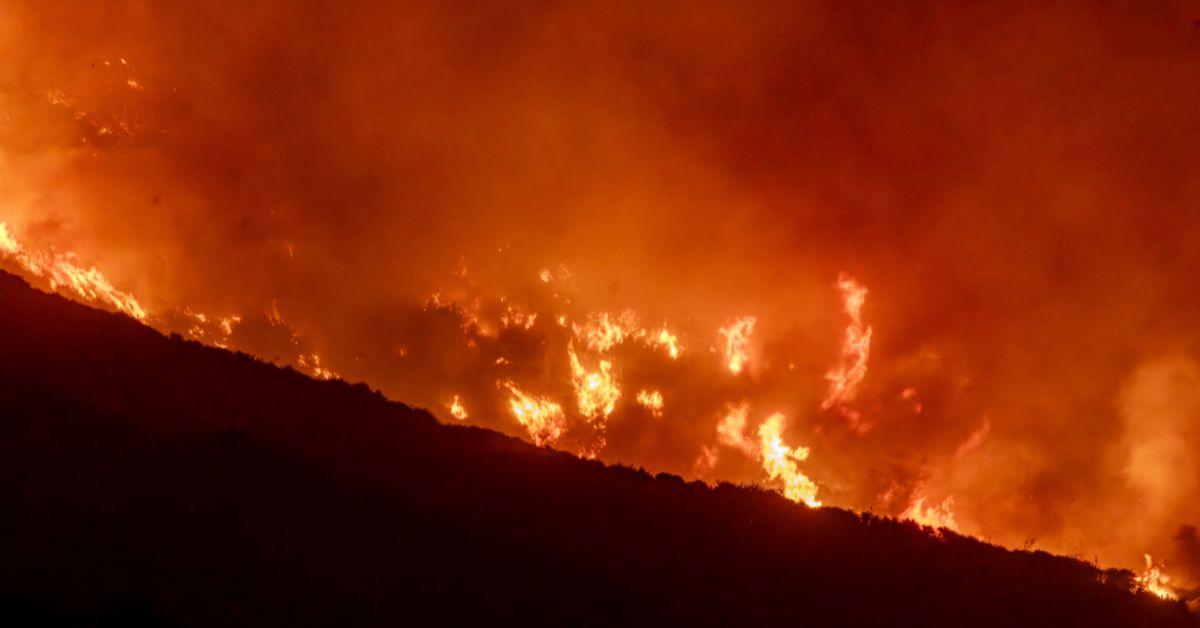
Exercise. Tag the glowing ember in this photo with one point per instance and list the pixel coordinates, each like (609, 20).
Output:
(595, 390)
(542, 418)
(737, 341)
(456, 409)
(856, 348)
(1155, 580)
(651, 400)
(782, 463)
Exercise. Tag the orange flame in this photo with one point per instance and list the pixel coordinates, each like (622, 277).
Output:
(737, 341)
(782, 462)
(936, 517)
(542, 418)
(856, 348)
(596, 391)
(456, 409)
(652, 400)
(1155, 580)
(62, 270)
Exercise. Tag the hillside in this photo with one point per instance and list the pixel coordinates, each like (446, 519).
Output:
(146, 479)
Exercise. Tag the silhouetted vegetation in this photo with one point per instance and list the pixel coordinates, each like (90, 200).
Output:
(149, 480)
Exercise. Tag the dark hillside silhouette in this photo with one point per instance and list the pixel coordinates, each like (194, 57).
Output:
(146, 479)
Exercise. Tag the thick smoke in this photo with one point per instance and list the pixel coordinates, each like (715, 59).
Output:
(1016, 186)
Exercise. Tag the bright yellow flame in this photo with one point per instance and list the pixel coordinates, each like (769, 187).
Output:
(856, 348)
(457, 410)
(1155, 580)
(651, 400)
(62, 270)
(596, 391)
(542, 418)
(937, 517)
(782, 463)
(737, 342)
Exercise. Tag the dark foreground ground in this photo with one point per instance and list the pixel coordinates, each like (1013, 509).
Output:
(148, 480)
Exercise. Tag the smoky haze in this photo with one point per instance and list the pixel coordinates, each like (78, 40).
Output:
(1016, 186)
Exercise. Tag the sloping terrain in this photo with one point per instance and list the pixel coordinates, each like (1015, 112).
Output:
(146, 479)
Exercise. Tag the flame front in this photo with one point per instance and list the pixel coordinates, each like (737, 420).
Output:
(62, 270)
(731, 430)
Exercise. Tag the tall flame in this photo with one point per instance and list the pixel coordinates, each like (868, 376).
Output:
(782, 462)
(856, 347)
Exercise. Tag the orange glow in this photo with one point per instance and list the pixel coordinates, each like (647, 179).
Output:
(737, 342)
(905, 284)
(856, 347)
(731, 430)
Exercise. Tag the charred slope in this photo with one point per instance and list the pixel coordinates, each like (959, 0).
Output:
(149, 479)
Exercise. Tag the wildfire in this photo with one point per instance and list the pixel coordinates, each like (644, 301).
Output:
(602, 332)
(668, 341)
(936, 517)
(456, 409)
(856, 348)
(542, 418)
(1155, 580)
(737, 340)
(312, 364)
(782, 462)
(63, 271)
(651, 400)
(596, 391)
(515, 317)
